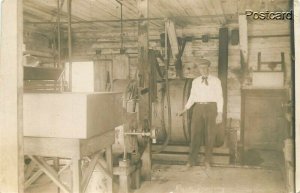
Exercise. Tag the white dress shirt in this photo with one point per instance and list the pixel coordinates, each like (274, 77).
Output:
(200, 92)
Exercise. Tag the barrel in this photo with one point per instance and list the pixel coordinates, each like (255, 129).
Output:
(179, 92)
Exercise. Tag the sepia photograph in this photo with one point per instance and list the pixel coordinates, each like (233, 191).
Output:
(149, 96)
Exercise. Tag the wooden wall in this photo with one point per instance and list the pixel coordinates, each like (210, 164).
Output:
(86, 43)
(270, 47)
(40, 46)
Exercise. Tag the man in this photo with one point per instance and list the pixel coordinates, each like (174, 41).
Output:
(206, 98)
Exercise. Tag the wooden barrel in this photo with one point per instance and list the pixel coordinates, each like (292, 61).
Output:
(179, 92)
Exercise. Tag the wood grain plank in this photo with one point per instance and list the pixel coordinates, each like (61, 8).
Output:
(11, 98)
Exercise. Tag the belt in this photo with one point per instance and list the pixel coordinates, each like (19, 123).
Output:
(205, 103)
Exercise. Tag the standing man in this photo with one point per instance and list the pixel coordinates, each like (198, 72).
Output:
(206, 98)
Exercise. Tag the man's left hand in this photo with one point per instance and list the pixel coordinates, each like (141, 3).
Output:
(219, 118)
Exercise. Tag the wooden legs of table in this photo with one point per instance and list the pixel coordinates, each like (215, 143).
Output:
(56, 166)
(49, 171)
(76, 175)
(109, 162)
(80, 177)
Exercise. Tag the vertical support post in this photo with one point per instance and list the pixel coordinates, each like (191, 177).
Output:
(296, 92)
(124, 179)
(147, 163)
(76, 175)
(109, 162)
(143, 27)
(70, 42)
(223, 68)
(243, 34)
(58, 34)
(57, 168)
(144, 79)
(11, 98)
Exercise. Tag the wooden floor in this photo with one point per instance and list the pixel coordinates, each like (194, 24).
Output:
(179, 179)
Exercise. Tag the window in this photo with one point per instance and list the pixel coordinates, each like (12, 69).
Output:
(82, 76)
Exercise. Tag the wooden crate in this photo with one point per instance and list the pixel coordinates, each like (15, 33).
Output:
(71, 115)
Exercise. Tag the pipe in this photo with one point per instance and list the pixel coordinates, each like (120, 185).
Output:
(135, 20)
(70, 42)
(121, 25)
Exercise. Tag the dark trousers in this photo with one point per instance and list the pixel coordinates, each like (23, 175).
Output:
(203, 130)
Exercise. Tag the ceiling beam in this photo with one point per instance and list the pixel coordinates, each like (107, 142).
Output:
(140, 19)
(51, 15)
(219, 10)
(215, 7)
(242, 6)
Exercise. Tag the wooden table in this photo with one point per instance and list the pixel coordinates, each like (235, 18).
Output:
(70, 126)
(36, 148)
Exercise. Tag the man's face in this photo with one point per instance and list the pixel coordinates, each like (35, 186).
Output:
(203, 70)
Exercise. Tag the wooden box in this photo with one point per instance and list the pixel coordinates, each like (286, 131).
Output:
(71, 115)
(268, 79)
(263, 123)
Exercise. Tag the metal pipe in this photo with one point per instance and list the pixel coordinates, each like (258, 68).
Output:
(139, 133)
(121, 24)
(136, 20)
(70, 42)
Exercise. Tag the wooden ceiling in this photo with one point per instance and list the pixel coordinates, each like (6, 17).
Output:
(104, 14)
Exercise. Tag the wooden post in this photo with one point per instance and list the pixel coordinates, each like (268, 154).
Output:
(223, 68)
(297, 91)
(109, 162)
(11, 98)
(58, 34)
(124, 179)
(144, 76)
(143, 6)
(70, 42)
(76, 175)
(243, 34)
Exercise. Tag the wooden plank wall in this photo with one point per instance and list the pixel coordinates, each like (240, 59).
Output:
(39, 45)
(270, 48)
(108, 42)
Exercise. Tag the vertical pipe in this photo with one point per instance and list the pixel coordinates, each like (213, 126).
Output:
(70, 43)
(121, 35)
(121, 27)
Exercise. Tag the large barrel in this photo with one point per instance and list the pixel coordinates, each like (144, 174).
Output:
(179, 92)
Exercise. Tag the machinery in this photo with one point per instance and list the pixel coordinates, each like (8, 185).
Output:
(128, 121)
